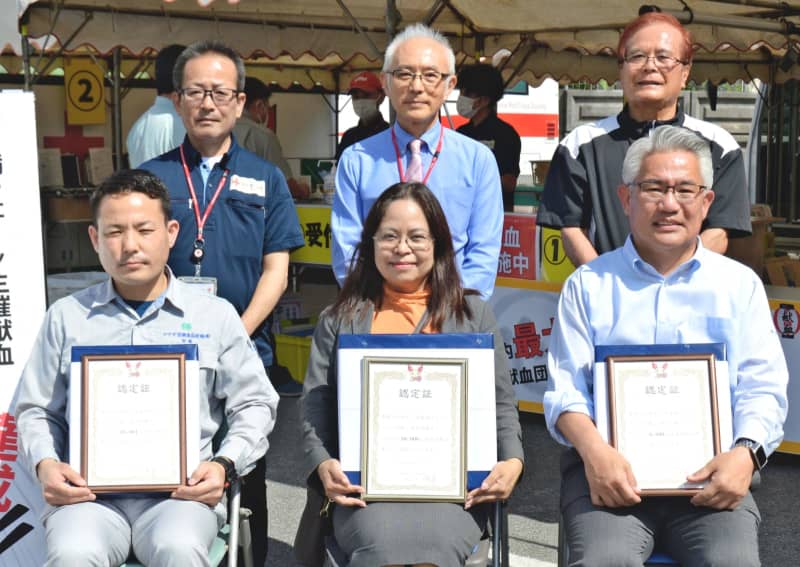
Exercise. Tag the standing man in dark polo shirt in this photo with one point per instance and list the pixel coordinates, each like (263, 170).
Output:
(481, 86)
(238, 221)
(655, 58)
(367, 95)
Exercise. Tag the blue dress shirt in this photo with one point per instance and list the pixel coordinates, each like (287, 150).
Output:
(619, 299)
(465, 179)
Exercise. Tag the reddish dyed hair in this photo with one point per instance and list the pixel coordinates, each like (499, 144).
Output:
(649, 19)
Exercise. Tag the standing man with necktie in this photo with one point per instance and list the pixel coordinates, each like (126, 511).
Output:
(418, 76)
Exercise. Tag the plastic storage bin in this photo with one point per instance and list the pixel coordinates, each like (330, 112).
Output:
(293, 347)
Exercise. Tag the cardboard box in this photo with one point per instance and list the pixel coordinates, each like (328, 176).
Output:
(68, 208)
(99, 165)
(752, 250)
(50, 174)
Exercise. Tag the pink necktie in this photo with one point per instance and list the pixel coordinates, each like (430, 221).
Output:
(414, 172)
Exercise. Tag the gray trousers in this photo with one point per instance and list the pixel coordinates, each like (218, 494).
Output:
(160, 531)
(621, 537)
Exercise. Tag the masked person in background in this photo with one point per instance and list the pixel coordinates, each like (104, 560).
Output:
(252, 133)
(367, 95)
(481, 87)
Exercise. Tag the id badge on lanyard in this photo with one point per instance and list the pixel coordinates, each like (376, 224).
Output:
(205, 284)
(198, 249)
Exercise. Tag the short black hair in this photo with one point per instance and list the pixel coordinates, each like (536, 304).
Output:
(165, 62)
(199, 48)
(131, 181)
(481, 79)
(255, 89)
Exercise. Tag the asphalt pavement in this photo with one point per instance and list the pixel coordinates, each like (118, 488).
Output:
(533, 508)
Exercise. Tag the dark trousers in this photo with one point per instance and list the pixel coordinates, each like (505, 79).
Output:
(254, 497)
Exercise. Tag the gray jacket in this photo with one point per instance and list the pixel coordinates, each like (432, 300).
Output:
(320, 408)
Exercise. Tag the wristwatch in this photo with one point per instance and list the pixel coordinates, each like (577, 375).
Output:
(230, 469)
(757, 452)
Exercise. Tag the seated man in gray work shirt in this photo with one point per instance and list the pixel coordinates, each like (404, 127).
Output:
(142, 303)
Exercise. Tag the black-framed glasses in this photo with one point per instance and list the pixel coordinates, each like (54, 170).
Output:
(661, 61)
(417, 242)
(429, 77)
(220, 95)
(656, 191)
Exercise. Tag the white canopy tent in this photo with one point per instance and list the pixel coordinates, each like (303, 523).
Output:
(314, 42)
(319, 44)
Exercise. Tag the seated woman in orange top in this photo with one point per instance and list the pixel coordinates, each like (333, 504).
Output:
(404, 280)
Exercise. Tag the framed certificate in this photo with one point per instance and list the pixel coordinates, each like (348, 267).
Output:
(413, 443)
(380, 399)
(663, 417)
(133, 417)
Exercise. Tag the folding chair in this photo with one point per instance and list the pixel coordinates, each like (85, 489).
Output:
(335, 557)
(231, 536)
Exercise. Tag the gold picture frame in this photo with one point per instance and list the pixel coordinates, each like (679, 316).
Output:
(414, 429)
(664, 417)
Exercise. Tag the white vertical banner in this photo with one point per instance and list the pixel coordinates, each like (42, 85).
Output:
(525, 317)
(22, 306)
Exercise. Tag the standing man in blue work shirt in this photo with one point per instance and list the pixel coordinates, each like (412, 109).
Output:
(418, 76)
(238, 221)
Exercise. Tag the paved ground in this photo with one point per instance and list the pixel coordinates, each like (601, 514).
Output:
(533, 508)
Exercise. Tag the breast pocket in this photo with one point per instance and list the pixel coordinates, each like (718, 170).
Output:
(698, 329)
(182, 210)
(245, 224)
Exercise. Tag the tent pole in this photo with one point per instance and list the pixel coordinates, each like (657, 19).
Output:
(358, 27)
(116, 108)
(769, 4)
(337, 88)
(391, 31)
(752, 24)
(26, 57)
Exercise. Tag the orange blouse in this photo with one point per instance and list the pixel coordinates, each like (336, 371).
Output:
(400, 312)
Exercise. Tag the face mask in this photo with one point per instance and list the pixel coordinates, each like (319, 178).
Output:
(365, 108)
(464, 106)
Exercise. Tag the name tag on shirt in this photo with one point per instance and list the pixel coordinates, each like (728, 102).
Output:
(488, 143)
(249, 185)
(201, 283)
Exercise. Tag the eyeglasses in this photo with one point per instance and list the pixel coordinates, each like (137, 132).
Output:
(656, 191)
(219, 95)
(429, 78)
(663, 62)
(417, 242)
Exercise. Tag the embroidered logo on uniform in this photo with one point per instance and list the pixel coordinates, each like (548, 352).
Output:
(248, 185)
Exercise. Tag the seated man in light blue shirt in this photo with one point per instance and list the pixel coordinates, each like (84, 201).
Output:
(142, 303)
(418, 75)
(664, 287)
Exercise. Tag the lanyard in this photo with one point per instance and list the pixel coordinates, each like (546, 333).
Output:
(197, 252)
(433, 161)
(201, 221)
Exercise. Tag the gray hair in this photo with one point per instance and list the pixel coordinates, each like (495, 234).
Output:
(412, 32)
(201, 48)
(668, 139)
